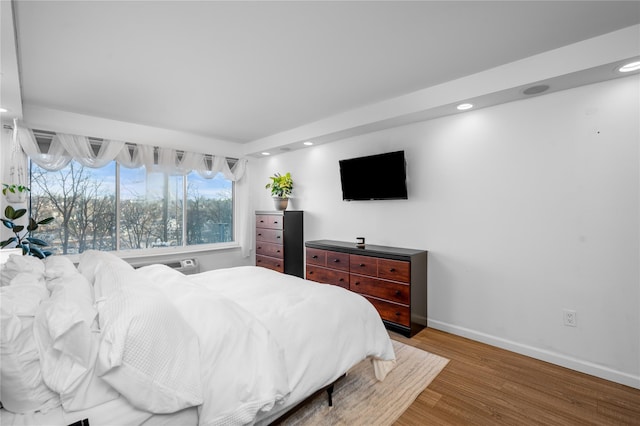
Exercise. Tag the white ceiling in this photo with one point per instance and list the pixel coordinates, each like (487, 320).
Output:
(244, 71)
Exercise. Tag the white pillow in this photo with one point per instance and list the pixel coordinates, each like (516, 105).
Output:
(111, 276)
(22, 389)
(58, 267)
(16, 264)
(90, 260)
(148, 352)
(66, 334)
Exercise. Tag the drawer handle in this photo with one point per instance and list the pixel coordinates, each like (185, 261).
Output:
(275, 222)
(259, 248)
(310, 272)
(357, 282)
(336, 260)
(392, 270)
(259, 235)
(341, 279)
(278, 236)
(397, 292)
(259, 261)
(398, 314)
(315, 257)
(362, 264)
(277, 251)
(262, 221)
(278, 265)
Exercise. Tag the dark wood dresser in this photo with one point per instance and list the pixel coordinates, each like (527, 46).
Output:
(393, 279)
(280, 242)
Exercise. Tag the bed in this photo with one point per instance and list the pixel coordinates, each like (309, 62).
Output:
(108, 344)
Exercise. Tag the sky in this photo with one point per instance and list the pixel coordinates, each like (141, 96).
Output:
(136, 183)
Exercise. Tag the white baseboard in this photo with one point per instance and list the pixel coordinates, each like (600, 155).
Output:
(541, 354)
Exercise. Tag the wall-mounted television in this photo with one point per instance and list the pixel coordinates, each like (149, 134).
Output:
(375, 177)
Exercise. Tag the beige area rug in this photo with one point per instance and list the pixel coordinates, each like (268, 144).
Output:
(359, 399)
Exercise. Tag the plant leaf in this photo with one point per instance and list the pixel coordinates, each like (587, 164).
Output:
(19, 213)
(8, 241)
(7, 223)
(45, 221)
(36, 252)
(32, 225)
(18, 228)
(37, 241)
(9, 212)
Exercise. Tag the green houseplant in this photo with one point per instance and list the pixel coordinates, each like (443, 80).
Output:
(22, 238)
(281, 187)
(15, 193)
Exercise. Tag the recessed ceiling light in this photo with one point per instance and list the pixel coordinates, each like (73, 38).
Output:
(4, 110)
(266, 153)
(463, 107)
(308, 143)
(632, 66)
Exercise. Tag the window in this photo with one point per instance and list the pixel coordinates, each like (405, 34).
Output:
(117, 208)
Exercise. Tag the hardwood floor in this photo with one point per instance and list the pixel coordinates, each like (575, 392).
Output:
(485, 385)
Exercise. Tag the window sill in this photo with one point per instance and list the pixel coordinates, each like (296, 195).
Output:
(163, 252)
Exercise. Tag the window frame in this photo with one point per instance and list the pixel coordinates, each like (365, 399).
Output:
(159, 251)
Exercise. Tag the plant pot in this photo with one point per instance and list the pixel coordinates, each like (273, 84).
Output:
(281, 203)
(16, 197)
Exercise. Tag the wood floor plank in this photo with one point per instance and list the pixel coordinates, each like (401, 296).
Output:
(485, 385)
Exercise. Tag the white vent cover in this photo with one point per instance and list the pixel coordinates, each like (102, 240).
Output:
(186, 266)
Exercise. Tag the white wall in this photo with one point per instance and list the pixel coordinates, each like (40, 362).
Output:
(526, 209)
(5, 166)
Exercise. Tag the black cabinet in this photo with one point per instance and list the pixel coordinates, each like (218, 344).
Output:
(280, 242)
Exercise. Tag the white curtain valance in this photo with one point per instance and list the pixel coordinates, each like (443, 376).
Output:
(18, 174)
(65, 147)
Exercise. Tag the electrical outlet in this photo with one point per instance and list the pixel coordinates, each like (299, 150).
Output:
(570, 318)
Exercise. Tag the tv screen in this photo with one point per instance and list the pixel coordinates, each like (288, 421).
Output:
(375, 177)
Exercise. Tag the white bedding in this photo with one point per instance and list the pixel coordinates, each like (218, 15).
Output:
(242, 367)
(266, 341)
(115, 412)
(324, 330)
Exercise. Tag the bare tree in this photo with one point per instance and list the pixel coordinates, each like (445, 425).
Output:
(140, 223)
(209, 220)
(104, 228)
(63, 189)
(91, 218)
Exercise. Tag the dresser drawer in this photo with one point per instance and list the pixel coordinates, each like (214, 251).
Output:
(269, 235)
(363, 265)
(270, 262)
(339, 261)
(392, 312)
(328, 276)
(387, 290)
(396, 270)
(270, 249)
(269, 221)
(316, 257)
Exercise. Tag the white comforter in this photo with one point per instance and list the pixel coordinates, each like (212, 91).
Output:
(242, 366)
(323, 330)
(267, 341)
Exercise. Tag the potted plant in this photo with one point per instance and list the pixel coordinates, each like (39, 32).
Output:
(15, 193)
(281, 187)
(22, 238)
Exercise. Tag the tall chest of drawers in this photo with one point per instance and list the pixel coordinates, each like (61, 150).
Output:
(393, 279)
(280, 242)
